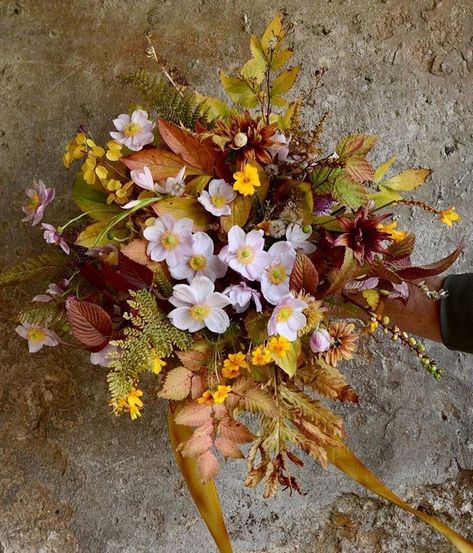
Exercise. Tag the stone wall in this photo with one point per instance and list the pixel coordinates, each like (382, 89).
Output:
(75, 479)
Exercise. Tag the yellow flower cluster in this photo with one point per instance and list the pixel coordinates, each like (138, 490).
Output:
(278, 345)
(232, 365)
(396, 235)
(449, 216)
(131, 403)
(217, 396)
(157, 363)
(75, 149)
(261, 356)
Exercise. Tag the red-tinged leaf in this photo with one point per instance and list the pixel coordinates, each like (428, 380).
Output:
(403, 248)
(177, 384)
(208, 466)
(90, 324)
(198, 386)
(136, 251)
(228, 448)
(200, 441)
(161, 163)
(378, 269)
(235, 431)
(359, 169)
(193, 414)
(413, 273)
(196, 359)
(137, 276)
(304, 275)
(359, 144)
(104, 277)
(201, 155)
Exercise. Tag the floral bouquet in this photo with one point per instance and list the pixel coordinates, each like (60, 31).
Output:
(216, 249)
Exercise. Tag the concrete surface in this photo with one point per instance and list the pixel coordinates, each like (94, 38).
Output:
(75, 479)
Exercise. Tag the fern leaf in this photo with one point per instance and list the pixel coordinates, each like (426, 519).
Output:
(164, 100)
(50, 314)
(50, 265)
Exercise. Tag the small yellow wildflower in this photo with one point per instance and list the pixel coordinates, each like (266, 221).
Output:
(371, 326)
(261, 356)
(134, 403)
(93, 149)
(114, 151)
(221, 394)
(91, 170)
(233, 364)
(279, 345)
(119, 192)
(75, 149)
(449, 216)
(206, 398)
(396, 235)
(247, 180)
(157, 363)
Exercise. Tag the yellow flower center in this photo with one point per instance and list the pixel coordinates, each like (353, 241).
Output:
(34, 200)
(132, 129)
(277, 274)
(284, 314)
(200, 312)
(198, 262)
(245, 255)
(218, 201)
(169, 240)
(35, 334)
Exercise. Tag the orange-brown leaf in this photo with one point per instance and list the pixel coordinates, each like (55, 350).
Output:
(161, 163)
(304, 275)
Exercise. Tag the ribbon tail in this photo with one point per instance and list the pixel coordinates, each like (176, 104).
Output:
(346, 461)
(204, 495)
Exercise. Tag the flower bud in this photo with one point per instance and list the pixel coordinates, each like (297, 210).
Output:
(240, 140)
(320, 341)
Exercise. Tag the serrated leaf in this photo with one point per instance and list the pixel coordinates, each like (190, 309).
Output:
(239, 91)
(384, 197)
(281, 58)
(235, 431)
(432, 269)
(90, 323)
(137, 276)
(284, 120)
(193, 414)
(250, 396)
(196, 359)
(349, 192)
(347, 272)
(241, 209)
(161, 163)
(359, 144)
(288, 361)
(274, 32)
(228, 448)
(136, 251)
(408, 180)
(185, 206)
(214, 108)
(255, 68)
(200, 441)
(177, 385)
(372, 298)
(403, 248)
(304, 275)
(382, 169)
(285, 81)
(358, 168)
(330, 382)
(93, 201)
(88, 237)
(208, 466)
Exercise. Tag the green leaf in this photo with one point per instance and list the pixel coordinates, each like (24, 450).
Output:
(195, 186)
(288, 361)
(274, 33)
(284, 120)
(359, 144)
(349, 192)
(281, 58)
(93, 201)
(214, 108)
(88, 237)
(382, 169)
(255, 68)
(285, 81)
(239, 91)
(384, 197)
(408, 180)
(185, 206)
(241, 209)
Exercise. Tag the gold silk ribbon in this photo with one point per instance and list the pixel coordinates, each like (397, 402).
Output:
(346, 461)
(204, 495)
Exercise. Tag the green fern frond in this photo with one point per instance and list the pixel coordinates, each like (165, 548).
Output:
(150, 331)
(162, 281)
(50, 314)
(164, 100)
(47, 266)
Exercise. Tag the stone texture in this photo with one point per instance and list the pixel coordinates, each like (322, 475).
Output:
(75, 479)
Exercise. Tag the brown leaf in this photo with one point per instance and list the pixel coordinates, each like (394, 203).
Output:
(193, 414)
(404, 247)
(200, 441)
(208, 466)
(161, 163)
(177, 384)
(201, 155)
(359, 169)
(331, 383)
(136, 275)
(90, 324)
(304, 275)
(235, 431)
(412, 273)
(194, 360)
(359, 144)
(136, 251)
(228, 448)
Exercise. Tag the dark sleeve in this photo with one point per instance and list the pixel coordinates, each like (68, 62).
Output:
(456, 313)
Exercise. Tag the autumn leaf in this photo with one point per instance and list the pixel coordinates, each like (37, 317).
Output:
(239, 91)
(200, 441)
(359, 169)
(359, 144)
(408, 180)
(161, 163)
(185, 206)
(228, 448)
(208, 466)
(195, 359)
(241, 209)
(382, 169)
(92, 200)
(88, 237)
(235, 431)
(347, 272)
(403, 248)
(288, 361)
(90, 323)
(193, 414)
(304, 275)
(214, 108)
(349, 192)
(136, 251)
(136, 275)
(433, 269)
(285, 81)
(177, 384)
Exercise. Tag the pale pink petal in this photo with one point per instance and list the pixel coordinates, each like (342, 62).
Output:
(202, 287)
(217, 321)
